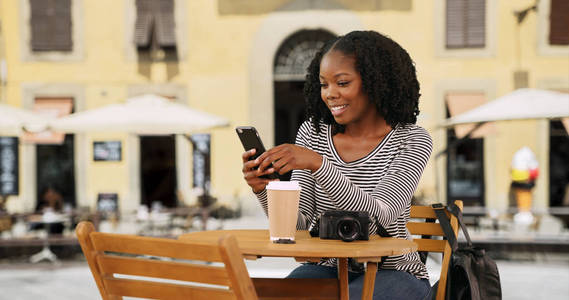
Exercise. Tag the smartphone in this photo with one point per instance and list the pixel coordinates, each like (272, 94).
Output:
(250, 139)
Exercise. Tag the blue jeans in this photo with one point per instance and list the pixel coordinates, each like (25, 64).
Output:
(389, 284)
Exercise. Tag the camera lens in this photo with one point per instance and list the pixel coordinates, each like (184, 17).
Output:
(348, 229)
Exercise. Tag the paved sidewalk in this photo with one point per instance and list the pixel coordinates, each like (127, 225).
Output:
(72, 280)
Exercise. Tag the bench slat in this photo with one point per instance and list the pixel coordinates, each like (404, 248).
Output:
(162, 269)
(161, 290)
(430, 245)
(425, 228)
(154, 246)
(424, 212)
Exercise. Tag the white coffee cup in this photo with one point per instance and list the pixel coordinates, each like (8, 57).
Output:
(283, 198)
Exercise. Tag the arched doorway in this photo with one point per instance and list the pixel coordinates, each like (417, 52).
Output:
(292, 59)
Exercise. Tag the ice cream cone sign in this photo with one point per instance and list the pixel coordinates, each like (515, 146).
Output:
(525, 168)
(524, 173)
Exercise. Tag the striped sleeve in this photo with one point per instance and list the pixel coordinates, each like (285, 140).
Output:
(392, 194)
(262, 197)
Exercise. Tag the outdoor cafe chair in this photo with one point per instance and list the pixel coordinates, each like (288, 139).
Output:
(427, 229)
(161, 268)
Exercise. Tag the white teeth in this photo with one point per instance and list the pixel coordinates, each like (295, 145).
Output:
(338, 107)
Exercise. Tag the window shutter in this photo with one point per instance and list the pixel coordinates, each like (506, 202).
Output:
(144, 23)
(155, 17)
(455, 23)
(465, 23)
(559, 22)
(39, 25)
(50, 25)
(476, 20)
(165, 24)
(62, 25)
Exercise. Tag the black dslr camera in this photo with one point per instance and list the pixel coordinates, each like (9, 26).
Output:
(342, 225)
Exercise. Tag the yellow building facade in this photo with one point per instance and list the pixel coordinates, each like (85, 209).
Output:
(224, 64)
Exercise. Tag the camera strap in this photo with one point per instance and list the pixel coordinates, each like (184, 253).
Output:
(381, 230)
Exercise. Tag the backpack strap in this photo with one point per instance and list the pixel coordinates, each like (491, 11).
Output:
(453, 209)
(445, 224)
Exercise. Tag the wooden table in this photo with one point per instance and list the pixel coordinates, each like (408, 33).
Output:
(256, 243)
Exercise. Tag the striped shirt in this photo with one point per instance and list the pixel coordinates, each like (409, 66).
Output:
(381, 183)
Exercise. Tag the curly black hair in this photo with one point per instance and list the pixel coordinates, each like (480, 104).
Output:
(388, 78)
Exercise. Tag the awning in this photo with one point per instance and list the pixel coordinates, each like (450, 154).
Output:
(13, 120)
(50, 108)
(521, 104)
(459, 103)
(146, 114)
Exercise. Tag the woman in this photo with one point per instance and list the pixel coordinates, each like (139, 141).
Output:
(359, 150)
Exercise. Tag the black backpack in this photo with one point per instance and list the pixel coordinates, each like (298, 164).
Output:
(472, 274)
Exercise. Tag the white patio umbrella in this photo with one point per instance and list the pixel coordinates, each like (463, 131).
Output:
(518, 105)
(13, 120)
(146, 114)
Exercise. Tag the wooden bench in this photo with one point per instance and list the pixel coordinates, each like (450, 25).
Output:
(160, 268)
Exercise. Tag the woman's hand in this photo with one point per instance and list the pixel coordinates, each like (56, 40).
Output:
(251, 173)
(287, 157)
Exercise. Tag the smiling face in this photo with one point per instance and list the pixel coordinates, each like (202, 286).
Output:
(341, 89)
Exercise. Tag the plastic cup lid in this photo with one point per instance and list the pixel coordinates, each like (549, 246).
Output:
(283, 185)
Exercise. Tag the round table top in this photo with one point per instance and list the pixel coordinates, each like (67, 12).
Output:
(257, 243)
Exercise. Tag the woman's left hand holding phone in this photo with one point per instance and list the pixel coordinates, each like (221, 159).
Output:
(251, 172)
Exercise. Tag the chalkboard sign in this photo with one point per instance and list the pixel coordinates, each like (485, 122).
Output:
(201, 159)
(9, 181)
(108, 202)
(107, 151)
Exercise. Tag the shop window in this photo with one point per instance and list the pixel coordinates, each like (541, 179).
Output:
(155, 28)
(50, 25)
(465, 24)
(559, 22)
(465, 160)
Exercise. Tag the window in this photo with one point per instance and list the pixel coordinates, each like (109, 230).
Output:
(50, 25)
(559, 22)
(155, 25)
(465, 24)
